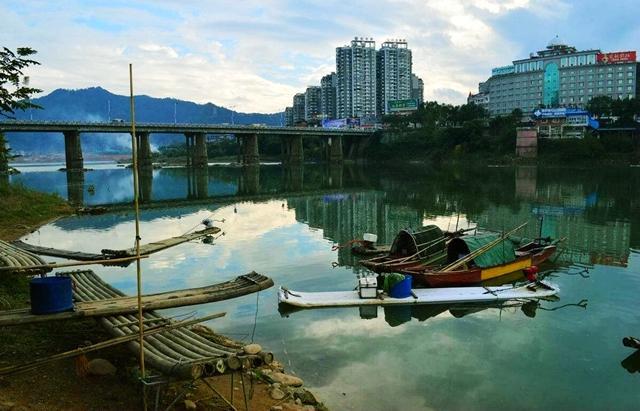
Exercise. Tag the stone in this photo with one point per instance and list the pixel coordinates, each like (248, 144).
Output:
(189, 405)
(286, 379)
(277, 394)
(289, 406)
(305, 396)
(298, 401)
(275, 365)
(276, 408)
(252, 349)
(100, 366)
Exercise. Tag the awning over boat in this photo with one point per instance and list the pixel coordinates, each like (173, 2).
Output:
(427, 240)
(501, 253)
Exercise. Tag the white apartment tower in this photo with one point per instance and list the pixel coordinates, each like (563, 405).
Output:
(356, 79)
(394, 73)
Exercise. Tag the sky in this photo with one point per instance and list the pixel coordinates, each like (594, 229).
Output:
(253, 56)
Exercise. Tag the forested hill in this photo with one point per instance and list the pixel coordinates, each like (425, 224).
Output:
(98, 104)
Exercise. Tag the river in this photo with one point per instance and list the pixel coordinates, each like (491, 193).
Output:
(283, 223)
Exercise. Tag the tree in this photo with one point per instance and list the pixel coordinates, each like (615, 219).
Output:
(14, 86)
(14, 90)
(600, 106)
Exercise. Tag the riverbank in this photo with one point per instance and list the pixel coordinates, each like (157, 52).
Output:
(59, 387)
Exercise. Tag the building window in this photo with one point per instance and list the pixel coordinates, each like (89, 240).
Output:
(572, 61)
(582, 60)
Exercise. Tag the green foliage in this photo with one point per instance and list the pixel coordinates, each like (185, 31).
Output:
(14, 89)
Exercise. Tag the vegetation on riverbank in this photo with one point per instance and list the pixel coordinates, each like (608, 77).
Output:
(442, 132)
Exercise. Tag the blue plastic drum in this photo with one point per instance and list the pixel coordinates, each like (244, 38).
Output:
(401, 289)
(50, 295)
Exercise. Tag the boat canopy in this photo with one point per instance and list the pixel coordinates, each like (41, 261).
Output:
(501, 253)
(427, 240)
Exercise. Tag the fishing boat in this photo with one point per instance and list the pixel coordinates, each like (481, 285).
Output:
(476, 258)
(423, 247)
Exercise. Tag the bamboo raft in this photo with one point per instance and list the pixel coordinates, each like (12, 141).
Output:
(181, 352)
(120, 304)
(13, 256)
(105, 254)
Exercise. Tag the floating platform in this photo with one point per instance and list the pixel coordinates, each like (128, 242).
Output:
(119, 304)
(14, 256)
(449, 295)
(105, 254)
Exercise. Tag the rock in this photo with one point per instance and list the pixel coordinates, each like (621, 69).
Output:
(298, 401)
(286, 379)
(289, 406)
(277, 394)
(276, 408)
(99, 366)
(252, 349)
(189, 405)
(305, 396)
(7, 405)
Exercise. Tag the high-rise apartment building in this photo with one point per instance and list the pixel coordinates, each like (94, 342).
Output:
(288, 117)
(393, 71)
(328, 103)
(298, 108)
(560, 76)
(417, 88)
(356, 79)
(312, 103)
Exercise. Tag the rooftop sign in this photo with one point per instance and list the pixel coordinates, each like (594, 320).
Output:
(499, 71)
(617, 57)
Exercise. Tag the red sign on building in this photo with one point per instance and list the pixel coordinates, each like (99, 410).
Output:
(618, 57)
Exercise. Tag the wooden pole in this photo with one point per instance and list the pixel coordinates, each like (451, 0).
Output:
(74, 264)
(134, 155)
(12, 369)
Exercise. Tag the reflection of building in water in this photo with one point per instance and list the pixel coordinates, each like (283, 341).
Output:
(344, 217)
(586, 242)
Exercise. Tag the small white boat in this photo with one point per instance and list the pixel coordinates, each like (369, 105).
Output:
(447, 295)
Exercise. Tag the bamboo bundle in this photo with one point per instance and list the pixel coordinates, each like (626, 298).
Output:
(13, 258)
(46, 267)
(480, 250)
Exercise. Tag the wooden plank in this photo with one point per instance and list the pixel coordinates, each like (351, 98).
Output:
(242, 285)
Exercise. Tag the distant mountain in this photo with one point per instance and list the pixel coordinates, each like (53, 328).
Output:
(98, 104)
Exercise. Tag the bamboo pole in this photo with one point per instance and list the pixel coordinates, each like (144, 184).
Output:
(74, 264)
(134, 155)
(104, 344)
(480, 250)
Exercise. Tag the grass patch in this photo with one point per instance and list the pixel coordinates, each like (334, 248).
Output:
(22, 209)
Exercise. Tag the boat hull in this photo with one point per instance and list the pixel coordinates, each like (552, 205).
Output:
(433, 278)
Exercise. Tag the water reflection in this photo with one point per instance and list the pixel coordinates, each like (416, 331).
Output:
(282, 222)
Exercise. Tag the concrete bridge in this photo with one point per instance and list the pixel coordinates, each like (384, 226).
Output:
(195, 134)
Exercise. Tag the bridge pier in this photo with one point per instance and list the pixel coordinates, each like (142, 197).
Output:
(292, 150)
(198, 182)
(334, 149)
(73, 150)
(200, 158)
(145, 188)
(249, 155)
(144, 150)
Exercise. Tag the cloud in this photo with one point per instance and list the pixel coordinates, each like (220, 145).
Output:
(254, 55)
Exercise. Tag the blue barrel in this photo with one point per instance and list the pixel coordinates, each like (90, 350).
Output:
(401, 289)
(50, 295)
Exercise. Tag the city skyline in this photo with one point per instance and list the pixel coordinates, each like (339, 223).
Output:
(254, 57)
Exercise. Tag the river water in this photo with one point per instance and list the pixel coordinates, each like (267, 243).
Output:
(283, 223)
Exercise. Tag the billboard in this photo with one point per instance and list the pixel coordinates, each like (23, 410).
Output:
(558, 112)
(409, 104)
(498, 71)
(617, 57)
(341, 123)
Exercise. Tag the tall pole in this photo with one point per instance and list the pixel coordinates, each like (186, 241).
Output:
(134, 145)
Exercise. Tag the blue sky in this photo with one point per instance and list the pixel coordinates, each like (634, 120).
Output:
(254, 55)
